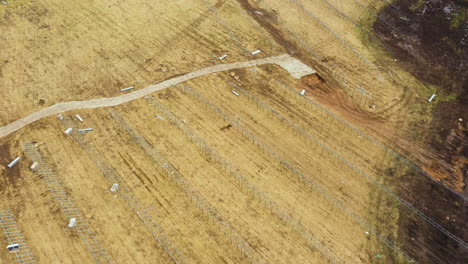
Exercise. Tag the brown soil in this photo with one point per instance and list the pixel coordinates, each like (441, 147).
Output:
(431, 46)
(428, 40)
(428, 246)
(445, 207)
(119, 63)
(269, 22)
(312, 79)
(11, 174)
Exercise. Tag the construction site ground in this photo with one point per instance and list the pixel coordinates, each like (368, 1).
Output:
(311, 178)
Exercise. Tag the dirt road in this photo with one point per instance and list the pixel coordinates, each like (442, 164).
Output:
(295, 67)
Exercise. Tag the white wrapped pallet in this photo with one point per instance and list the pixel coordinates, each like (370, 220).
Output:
(34, 166)
(68, 130)
(13, 247)
(126, 89)
(72, 222)
(85, 129)
(114, 188)
(255, 52)
(160, 117)
(14, 162)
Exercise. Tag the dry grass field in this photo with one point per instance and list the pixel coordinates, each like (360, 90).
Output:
(205, 176)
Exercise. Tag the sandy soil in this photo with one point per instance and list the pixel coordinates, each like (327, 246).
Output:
(55, 51)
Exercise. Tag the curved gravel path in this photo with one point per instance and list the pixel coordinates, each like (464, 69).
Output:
(295, 67)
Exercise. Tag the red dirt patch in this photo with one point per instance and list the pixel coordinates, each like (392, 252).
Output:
(312, 79)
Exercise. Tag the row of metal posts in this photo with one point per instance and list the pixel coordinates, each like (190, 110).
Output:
(203, 205)
(85, 233)
(312, 105)
(264, 148)
(352, 90)
(124, 190)
(341, 160)
(245, 184)
(389, 154)
(15, 237)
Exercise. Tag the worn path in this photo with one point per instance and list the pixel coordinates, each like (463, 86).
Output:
(295, 67)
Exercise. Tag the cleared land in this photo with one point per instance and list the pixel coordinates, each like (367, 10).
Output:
(206, 176)
(294, 67)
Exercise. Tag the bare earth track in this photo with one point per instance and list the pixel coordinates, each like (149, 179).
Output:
(292, 65)
(305, 152)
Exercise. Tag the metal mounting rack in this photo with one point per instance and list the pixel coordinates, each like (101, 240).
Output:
(83, 229)
(156, 230)
(14, 236)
